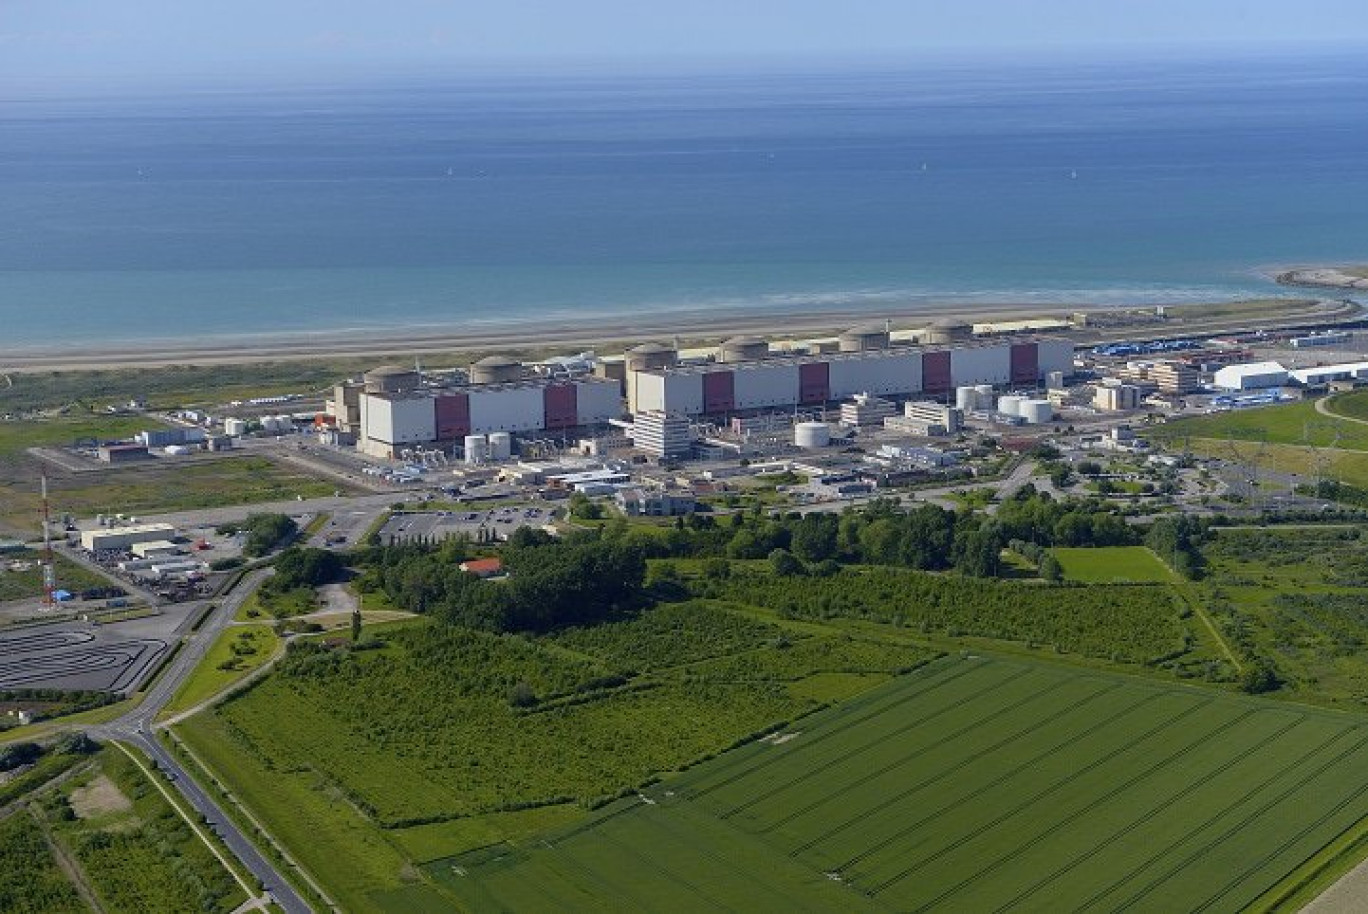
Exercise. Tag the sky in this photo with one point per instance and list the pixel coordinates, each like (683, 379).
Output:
(135, 40)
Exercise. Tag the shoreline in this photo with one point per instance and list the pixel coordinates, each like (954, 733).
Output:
(538, 333)
(1349, 279)
(605, 334)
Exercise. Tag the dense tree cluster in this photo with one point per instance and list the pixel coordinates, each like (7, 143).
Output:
(264, 532)
(1177, 540)
(306, 567)
(550, 583)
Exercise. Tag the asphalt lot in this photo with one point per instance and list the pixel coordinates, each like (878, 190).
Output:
(436, 526)
(114, 657)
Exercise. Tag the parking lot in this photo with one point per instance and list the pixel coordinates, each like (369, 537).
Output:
(480, 525)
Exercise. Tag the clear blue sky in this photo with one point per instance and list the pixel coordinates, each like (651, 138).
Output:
(142, 39)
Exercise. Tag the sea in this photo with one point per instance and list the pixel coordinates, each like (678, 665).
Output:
(224, 212)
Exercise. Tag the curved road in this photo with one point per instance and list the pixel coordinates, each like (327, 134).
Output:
(136, 728)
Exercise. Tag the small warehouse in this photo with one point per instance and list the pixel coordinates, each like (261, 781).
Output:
(1251, 376)
(125, 537)
(122, 453)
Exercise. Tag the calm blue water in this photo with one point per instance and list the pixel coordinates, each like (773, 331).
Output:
(406, 204)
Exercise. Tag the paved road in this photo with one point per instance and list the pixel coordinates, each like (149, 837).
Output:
(136, 727)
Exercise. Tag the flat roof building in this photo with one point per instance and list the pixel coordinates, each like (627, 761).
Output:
(124, 537)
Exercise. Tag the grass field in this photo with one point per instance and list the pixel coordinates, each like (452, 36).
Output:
(973, 785)
(1353, 404)
(1112, 565)
(161, 487)
(239, 650)
(1343, 465)
(20, 585)
(1285, 423)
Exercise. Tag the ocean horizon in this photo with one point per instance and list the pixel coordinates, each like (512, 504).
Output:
(483, 202)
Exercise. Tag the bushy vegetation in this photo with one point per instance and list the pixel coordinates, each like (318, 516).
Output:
(448, 721)
(1128, 624)
(30, 880)
(264, 532)
(144, 859)
(671, 635)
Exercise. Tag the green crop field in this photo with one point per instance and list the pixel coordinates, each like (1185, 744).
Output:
(1112, 565)
(365, 763)
(971, 785)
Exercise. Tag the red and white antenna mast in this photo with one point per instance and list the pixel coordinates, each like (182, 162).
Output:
(49, 569)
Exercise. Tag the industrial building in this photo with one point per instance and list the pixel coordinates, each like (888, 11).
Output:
(866, 363)
(163, 437)
(1325, 374)
(864, 409)
(122, 453)
(662, 435)
(1170, 376)
(1251, 376)
(124, 537)
(394, 412)
(635, 501)
(927, 417)
(1117, 397)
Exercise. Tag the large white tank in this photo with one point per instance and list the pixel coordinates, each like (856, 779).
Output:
(1054, 380)
(1036, 412)
(1009, 405)
(176, 450)
(812, 434)
(269, 424)
(500, 446)
(476, 448)
(234, 428)
(966, 398)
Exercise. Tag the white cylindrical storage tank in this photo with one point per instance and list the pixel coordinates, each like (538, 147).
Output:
(1036, 412)
(500, 446)
(475, 448)
(1054, 380)
(812, 434)
(966, 398)
(269, 424)
(176, 450)
(1009, 405)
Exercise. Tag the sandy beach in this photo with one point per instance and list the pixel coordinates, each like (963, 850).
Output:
(604, 335)
(607, 334)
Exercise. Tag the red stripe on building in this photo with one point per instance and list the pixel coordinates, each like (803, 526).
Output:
(1025, 363)
(561, 403)
(719, 392)
(453, 416)
(936, 373)
(814, 383)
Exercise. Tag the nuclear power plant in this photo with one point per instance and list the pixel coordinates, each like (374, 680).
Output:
(394, 408)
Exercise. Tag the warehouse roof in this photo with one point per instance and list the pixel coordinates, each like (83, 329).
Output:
(1251, 369)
